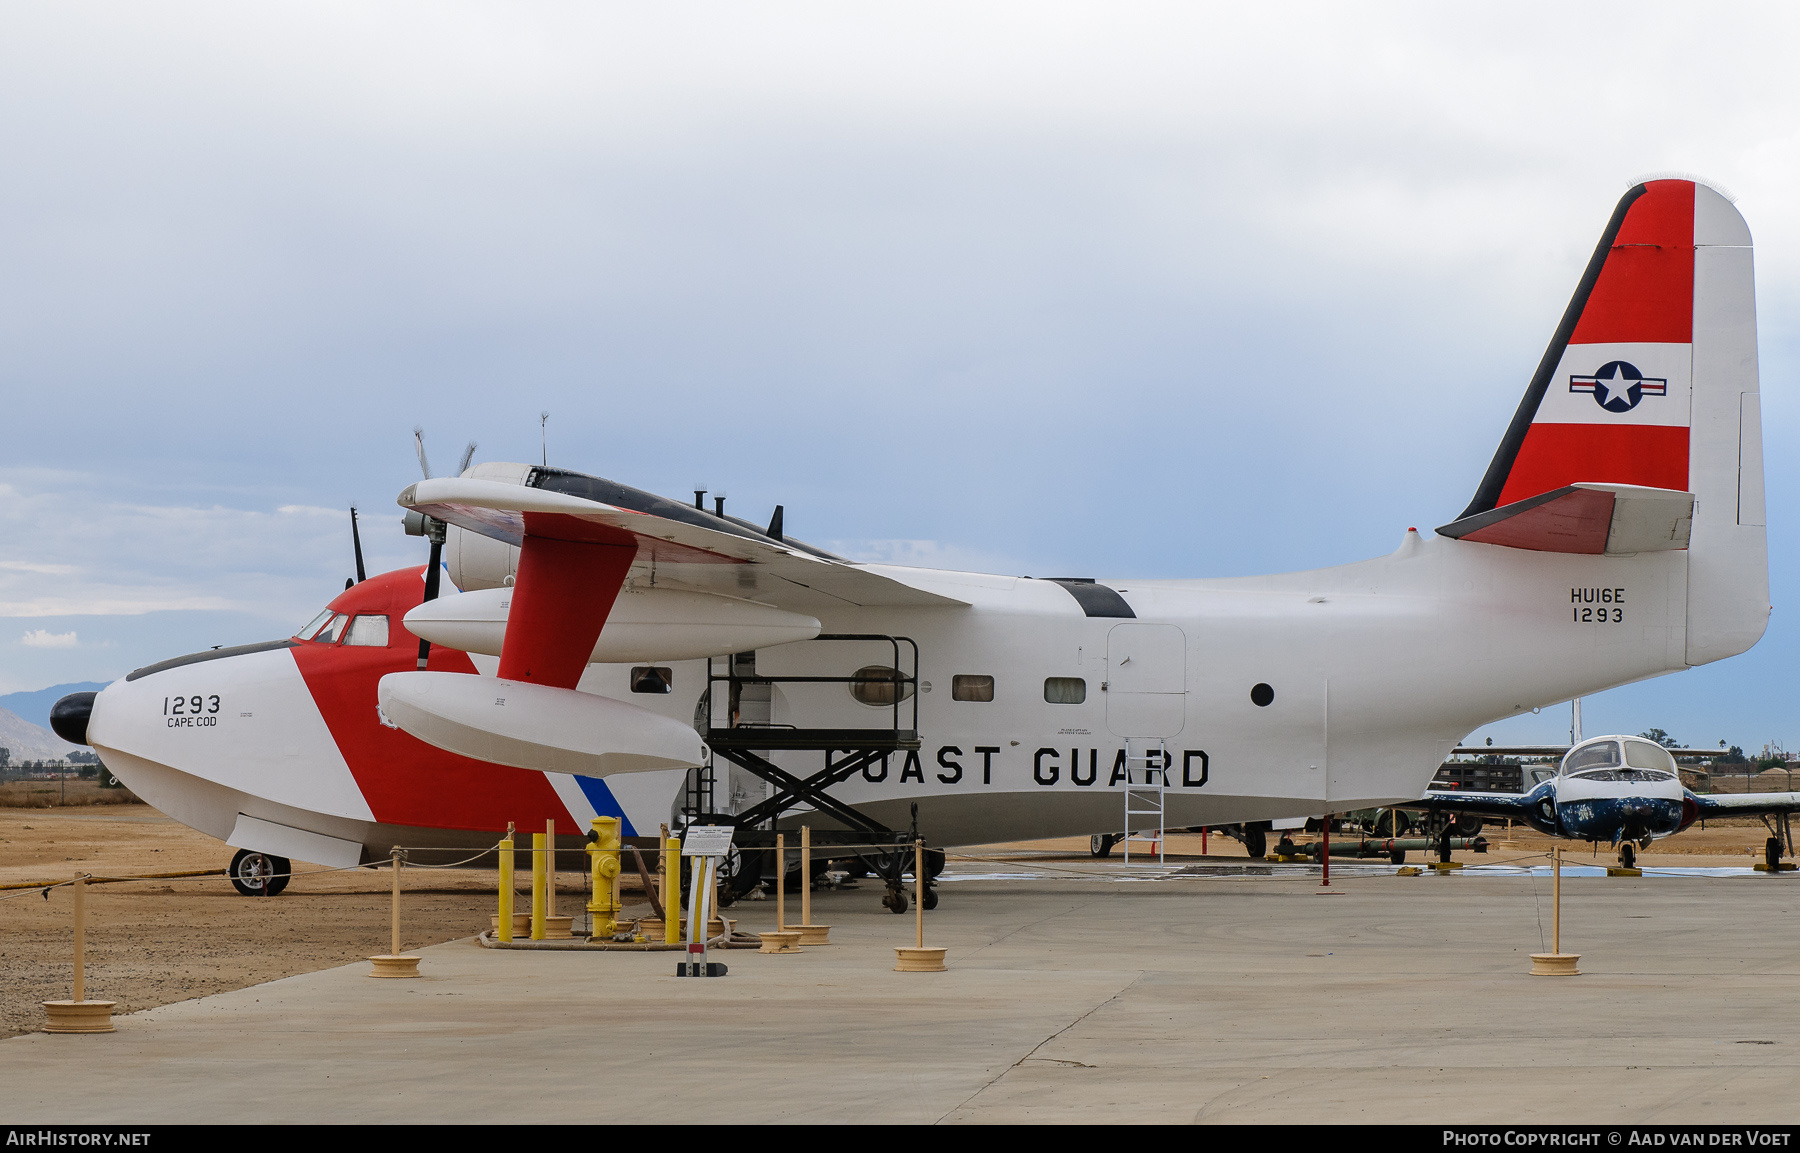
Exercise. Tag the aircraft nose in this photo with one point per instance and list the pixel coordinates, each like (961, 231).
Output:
(69, 717)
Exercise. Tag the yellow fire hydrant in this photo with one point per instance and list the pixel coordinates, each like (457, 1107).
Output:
(604, 850)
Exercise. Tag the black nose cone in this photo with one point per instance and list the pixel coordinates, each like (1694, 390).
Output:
(69, 717)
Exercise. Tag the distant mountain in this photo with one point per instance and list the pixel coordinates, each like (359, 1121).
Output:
(28, 742)
(34, 707)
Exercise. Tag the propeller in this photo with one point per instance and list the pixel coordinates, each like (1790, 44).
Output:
(356, 543)
(428, 527)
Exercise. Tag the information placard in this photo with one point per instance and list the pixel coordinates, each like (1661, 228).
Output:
(707, 841)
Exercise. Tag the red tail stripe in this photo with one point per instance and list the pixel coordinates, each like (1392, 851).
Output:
(1555, 455)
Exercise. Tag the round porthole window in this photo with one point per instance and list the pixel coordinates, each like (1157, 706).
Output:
(1261, 695)
(878, 684)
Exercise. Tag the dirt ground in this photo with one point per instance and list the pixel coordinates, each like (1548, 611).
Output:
(153, 942)
(55, 794)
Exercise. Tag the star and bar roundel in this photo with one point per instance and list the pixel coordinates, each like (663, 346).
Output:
(1618, 386)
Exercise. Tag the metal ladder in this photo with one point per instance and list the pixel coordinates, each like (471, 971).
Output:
(1147, 799)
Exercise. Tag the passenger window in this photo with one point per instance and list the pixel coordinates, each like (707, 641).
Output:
(1065, 690)
(970, 687)
(368, 630)
(879, 685)
(652, 679)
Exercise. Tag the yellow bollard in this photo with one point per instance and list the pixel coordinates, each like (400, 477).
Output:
(504, 922)
(604, 851)
(671, 896)
(538, 879)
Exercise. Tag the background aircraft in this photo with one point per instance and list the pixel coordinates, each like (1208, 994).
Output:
(1619, 790)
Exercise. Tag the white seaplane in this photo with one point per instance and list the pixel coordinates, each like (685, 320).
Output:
(605, 641)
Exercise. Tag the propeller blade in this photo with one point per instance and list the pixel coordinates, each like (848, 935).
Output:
(419, 444)
(468, 456)
(356, 542)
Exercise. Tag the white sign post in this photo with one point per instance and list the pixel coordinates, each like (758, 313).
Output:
(706, 843)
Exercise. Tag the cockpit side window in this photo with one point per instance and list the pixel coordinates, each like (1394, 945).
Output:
(368, 630)
(1644, 755)
(312, 626)
(332, 632)
(1599, 755)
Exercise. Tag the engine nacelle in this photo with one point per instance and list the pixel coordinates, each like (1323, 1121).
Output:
(646, 625)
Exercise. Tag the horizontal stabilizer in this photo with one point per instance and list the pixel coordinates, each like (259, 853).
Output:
(531, 726)
(1592, 519)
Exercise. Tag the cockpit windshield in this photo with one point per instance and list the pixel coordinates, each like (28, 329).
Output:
(1594, 755)
(312, 626)
(1616, 758)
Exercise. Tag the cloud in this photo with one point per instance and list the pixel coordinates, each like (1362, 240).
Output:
(43, 639)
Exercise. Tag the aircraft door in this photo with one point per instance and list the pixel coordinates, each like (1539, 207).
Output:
(1146, 680)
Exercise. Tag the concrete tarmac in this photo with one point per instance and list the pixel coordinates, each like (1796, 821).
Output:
(1232, 999)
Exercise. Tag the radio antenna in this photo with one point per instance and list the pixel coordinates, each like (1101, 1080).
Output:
(544, 435)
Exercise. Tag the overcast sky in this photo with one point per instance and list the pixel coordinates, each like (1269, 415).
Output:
(1110, 289)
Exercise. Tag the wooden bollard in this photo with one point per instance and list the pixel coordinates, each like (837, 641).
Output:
(810, 934)
(78, 1014)
(783, 939)
(1555, 963)
(919, 957)
(394, 963)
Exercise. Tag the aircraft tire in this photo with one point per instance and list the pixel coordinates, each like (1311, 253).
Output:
(1256, 842)
(1772, 854)
(895, 900)
(250, 873)
(1101, 844)
(283, 874)
(1627, 855)
(1398, 856)
(931, 897)
(1467, 824)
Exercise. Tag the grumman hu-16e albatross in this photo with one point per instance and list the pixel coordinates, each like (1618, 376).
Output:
(611, 634)
(1621, 791)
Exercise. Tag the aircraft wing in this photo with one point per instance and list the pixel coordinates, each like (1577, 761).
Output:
(1512, 805)
(1745, 804)
(670, 551)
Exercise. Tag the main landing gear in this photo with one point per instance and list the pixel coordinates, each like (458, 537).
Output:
(1627, 855)
(259, 874)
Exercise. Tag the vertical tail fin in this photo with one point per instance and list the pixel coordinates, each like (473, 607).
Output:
(1651, 380)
